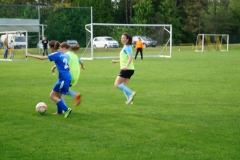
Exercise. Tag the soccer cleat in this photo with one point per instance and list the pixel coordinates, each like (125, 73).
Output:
(68, 112)
(130, 102)
(78, 99)
(56, 114)
(130, 99)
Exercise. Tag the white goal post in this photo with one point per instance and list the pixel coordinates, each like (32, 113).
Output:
(212, 42)
(158, 39)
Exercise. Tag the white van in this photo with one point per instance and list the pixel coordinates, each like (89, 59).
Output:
(105, 42)
(18, 39)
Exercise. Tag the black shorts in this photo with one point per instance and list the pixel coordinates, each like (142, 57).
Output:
(126, 73)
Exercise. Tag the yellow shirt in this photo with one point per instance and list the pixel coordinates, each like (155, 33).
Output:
(127, 50)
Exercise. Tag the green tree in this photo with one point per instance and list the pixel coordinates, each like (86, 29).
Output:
(193, 21)
(142, 12)
(168, 14)
(234, 6)
(217, 18)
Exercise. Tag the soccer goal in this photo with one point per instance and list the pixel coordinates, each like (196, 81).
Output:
(103, 40)
(212, 42)
(16, 43)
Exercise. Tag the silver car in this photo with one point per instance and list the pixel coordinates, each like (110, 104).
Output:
(72, 42)
(147, 42)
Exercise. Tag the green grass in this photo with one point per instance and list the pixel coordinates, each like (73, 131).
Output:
(186, 107)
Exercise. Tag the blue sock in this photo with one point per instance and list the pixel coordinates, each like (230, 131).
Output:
(125, 95)
(125, 89)
(59, 110)
(62, 105)
(71, 93)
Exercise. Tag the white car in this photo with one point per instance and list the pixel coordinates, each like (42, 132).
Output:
(105, 42)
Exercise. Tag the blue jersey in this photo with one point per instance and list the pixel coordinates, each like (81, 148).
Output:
(61, 61)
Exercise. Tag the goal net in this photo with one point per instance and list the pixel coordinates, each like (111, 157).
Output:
(212, 42)
(104, 40)
(14, 45)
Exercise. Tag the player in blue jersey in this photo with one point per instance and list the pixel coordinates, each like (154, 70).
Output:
(75, 63)
(64, 77)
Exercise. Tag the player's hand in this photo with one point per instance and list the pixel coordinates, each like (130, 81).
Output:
(83, 67)
(124, 68)
(53, 68)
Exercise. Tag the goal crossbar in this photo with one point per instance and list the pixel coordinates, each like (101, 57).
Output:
(89, 42)
(212, 41)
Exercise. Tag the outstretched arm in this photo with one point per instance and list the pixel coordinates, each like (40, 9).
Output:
(37, 56)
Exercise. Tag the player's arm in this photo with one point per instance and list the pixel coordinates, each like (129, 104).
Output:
(115, 61)
(82, 66)
(53, 68)
(130, 57)
(37, 56)
(81, 63)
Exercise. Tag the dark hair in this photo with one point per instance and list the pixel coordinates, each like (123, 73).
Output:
(76, 47)
(54, 44)
(65, 45)
(129, 37)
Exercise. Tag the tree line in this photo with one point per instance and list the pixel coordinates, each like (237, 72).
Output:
(188, 17)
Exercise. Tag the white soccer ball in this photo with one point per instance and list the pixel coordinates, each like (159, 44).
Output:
(41, 107)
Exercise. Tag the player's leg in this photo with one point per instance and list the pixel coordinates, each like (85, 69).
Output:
(60, 88)
(136, 54)
(75, 95)
(7, 53)
(128, 74)
(125, 83)
(119, 84)
(44, 52)
(141, 54)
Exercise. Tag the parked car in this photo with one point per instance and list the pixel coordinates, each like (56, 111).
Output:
(147, 42)
(1, 44)
(39, 44)
(105, 42)
(72, 42)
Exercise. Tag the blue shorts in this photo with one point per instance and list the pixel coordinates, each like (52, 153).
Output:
(62, 86)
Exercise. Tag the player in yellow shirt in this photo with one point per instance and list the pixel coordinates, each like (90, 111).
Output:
(127, 68)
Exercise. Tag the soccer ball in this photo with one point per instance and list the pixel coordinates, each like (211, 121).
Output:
(41, 107)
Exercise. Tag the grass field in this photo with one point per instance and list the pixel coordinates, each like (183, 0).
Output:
(186, 108)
